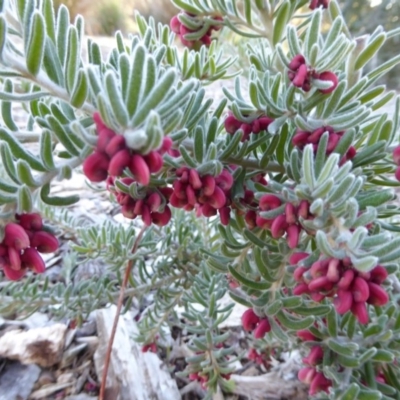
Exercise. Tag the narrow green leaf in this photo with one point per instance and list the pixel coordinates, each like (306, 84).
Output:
(247, 282)
(370, 50)
(37, 40)
(25, 201)
(115, 99)
(281, 17)
(80, 91)
(136, 80)
(56, 201)
(72, 60)
(49, 17)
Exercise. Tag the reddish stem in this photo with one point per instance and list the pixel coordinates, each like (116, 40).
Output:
(116, 318)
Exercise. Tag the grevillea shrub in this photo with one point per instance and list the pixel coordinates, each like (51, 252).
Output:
(281, 194)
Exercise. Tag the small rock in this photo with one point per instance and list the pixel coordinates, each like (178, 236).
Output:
(66, 377)
(17, 381)
(45, 378)
(42, 346)
(87, 329)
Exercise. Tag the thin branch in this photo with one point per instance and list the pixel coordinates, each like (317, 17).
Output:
(117, 314)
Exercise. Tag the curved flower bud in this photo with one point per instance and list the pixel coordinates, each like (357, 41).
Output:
(262, 328)
(95, 167)
(140, 169)
(44, 242)
(31, 221)
(31, 259)
(250, 320)
(15, 236)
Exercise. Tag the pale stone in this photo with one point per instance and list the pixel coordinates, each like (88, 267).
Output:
(41, 346)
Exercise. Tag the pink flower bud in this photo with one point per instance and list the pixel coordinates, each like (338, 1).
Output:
(305, 335)
(378, 295)
(290, 213)
(321, 283)
(319, 383)
(279, 226)
(298, 274)
(293, 235)
(397, 174)
(98, 121)
(224, 180)
(208, 184)
(264, 123)
(175, 25)
(300, 139)
(300, 76)
(161, 219)
(359, 310)
(32, 259)
(119, 162)
(251, 219)
(180, 189)
(3, 251)
(351, 153)
(346, 280)
(146, 215)
(297, 257)
(255, 126)
(154, 161)
(187, 43)
(232, 125)
(300, 289)
(138, 208)
(31, 221)
(14, 258)
(360, 290)
(166, 145)
(128, 211)
(152, 347)
(191, 195)
(315, 356)
(105, 136)
(396, 155)
(343, 301)
(15, 236)
(206, 40)
(333, 141)
(194, 179)
(224, 215)
(154, 201)
(140, 169)
(317, 297)
(315, 136)
(116, 144)
(378, 274)
(333, 273)
(269, 202)
(218, 198)
(250, 320)
(296, 62)
(262, 328)
(208, 211)
(331, 77)
(44, 242)
(319, 268)
(306, 375)
(176, 201)
(95, 167)
(12, 274)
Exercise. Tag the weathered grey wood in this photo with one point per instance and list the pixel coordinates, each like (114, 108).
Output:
(133, 375)
(17, 381)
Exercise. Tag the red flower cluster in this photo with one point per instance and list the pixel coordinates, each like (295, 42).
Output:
(22, 243)
(311, 376)
(285, 223)
(253, 323)
(112, 156)
(207, 194)
(151, 347)
(302, 138)
(396, 158)
(352, 290)
(181, 30)
(319, 3)
(151, 207)
(301, 75)
(232, 125)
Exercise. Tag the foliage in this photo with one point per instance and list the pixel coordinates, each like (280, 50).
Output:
(286, 201)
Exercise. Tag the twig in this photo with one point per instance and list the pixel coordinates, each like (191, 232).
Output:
(117, 313)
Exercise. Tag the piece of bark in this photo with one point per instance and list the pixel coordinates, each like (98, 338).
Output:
(133, 375)
(269, 386)
(17, 381)
(41, 346)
